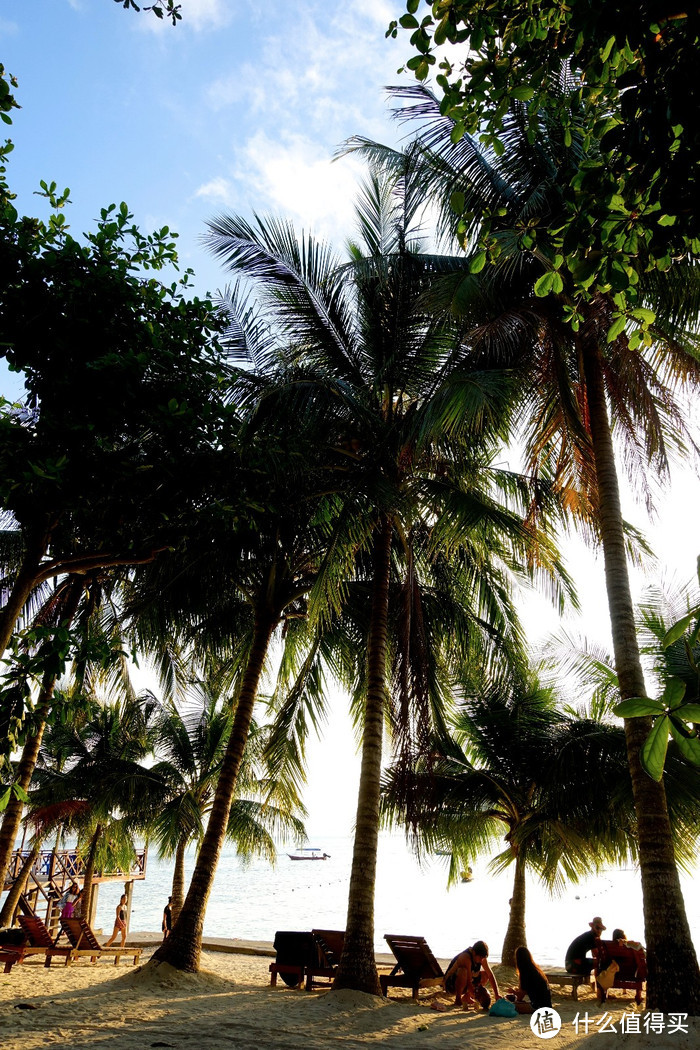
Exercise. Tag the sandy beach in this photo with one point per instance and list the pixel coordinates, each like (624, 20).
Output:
(230, 1004)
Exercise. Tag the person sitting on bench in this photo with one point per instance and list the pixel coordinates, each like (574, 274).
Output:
(576, 954)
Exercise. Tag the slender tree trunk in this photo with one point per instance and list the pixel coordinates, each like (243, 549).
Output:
(25, 769)
(674, 977)
(183, 947)
(358, 968)
(12, 817)
(515, 933)
(89, 873)
(178, 891)
(24, 584)
(18, 887)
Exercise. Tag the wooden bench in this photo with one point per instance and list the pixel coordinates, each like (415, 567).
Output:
(560, 977)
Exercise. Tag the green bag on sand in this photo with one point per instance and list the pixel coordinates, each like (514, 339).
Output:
(503, 1008)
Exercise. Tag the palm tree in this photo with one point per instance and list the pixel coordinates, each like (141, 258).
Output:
(190, 741)
(352, 346)
(553, 784)
(76, 604)
(575, 384)
(226, 595)
(97, 767)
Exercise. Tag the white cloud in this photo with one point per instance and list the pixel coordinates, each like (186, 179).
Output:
(217, 189)
(8, 28)
(294, 178)
(321, 74)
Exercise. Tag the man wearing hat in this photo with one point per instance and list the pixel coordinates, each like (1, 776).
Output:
(576, 961)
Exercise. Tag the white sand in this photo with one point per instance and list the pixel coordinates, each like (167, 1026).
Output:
(230, 1004)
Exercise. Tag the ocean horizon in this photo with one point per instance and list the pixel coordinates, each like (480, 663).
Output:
(252, 899)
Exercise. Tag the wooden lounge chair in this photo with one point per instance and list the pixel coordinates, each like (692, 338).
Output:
(632, 970)
(84, 943)
(416, 966)
(8, 958)
(296, 950)
(38, 940)
(329, 948)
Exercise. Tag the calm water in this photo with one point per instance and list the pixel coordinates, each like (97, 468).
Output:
(252, 900)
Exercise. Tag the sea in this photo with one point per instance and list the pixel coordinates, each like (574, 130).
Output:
(252, 899)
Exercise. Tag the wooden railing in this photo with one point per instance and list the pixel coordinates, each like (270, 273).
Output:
(61, 867)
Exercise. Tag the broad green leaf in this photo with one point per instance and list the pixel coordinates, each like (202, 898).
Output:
(457, 202)
(689, 747)
(616, 328)
(20, 793)
(673, 693)
(667, 220)
(690, 712)
(478, 262)
(637, 706)
(653, 753)
(4, 799)
(522, 94)
(679, 628)
(543, 285)
(409, 22)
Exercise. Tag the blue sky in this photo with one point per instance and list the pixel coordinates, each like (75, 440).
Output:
(239, 107)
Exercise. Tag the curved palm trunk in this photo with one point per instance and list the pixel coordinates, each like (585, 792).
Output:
(25, 769)
(515, 933)
(89, 874)
(674, 978)
(13, 812)
(24, 584)
(183, 947)
(178, 890)
(18, 887)
(358, 968)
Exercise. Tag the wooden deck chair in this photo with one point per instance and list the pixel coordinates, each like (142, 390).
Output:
(295, 951)
(38, 940)
(631, 971)
(329, 948)
(8, 958)
(84, 943)
(416, 966)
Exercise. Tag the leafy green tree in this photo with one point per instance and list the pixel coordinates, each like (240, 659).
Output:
(577, 378)
(104, 472)
(634, 85)
(675, 651)
(415, 486)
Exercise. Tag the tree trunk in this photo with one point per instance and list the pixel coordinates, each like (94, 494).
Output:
(89, 873)
(358, 968)
(515, 933)
(674, 977)
(24, 584)
(183, 947)
(178, 892)
(25, 769)
(12, 817)
(18, 887)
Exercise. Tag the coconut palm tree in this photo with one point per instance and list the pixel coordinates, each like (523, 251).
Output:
(98, 767)
(227, 596)
(190, 742)
(411, 458)
(554, 785)
(581, 378)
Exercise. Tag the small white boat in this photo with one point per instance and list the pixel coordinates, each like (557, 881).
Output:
(309, 854)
